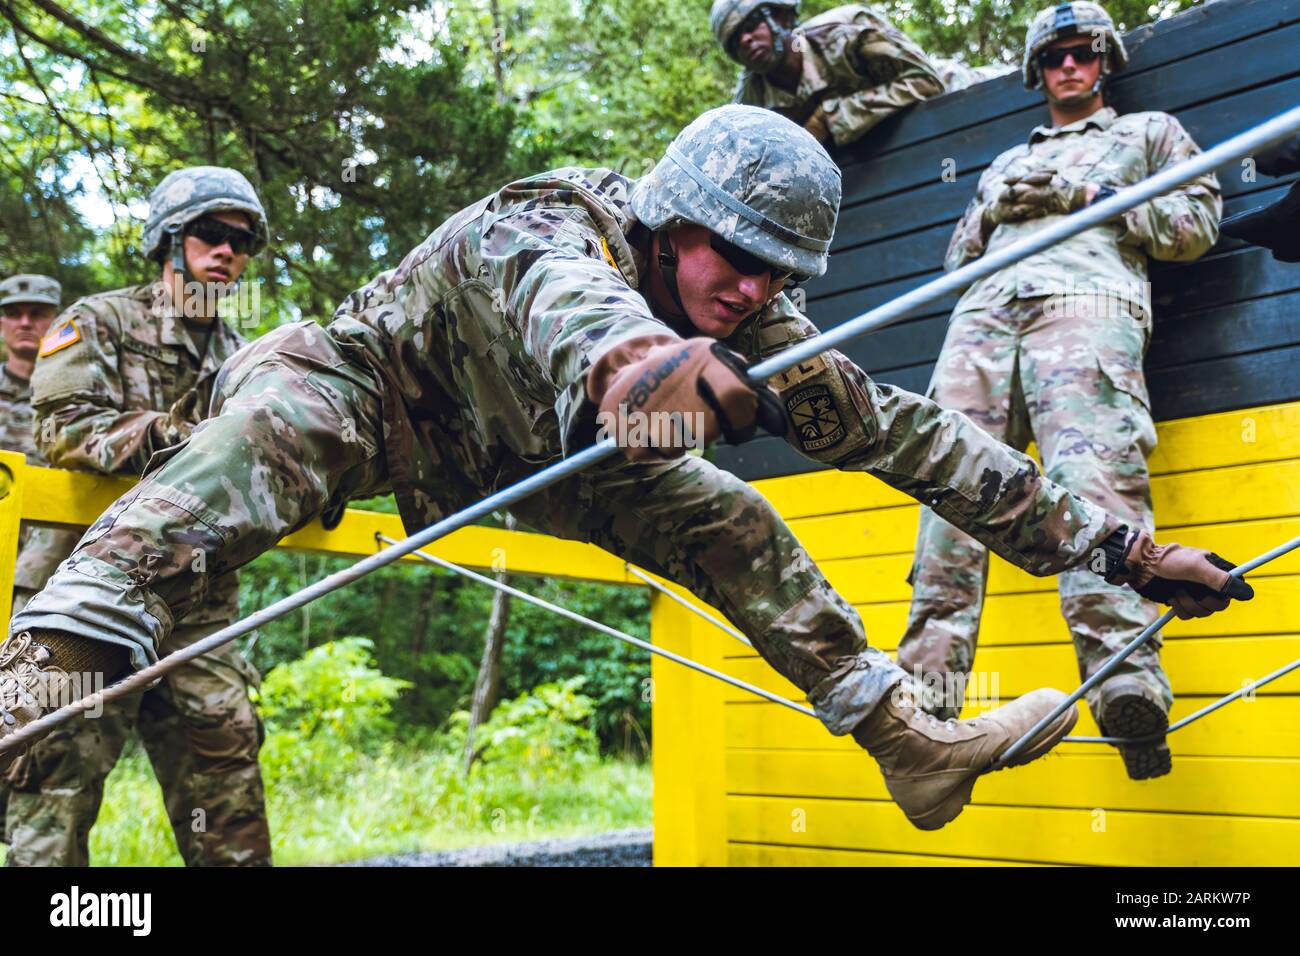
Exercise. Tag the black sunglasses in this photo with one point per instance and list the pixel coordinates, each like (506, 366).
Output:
(748, 264)
(751, 22)
(1083, 53)
(214, 232)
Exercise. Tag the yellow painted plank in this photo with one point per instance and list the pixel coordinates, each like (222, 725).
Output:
(517, 551)
(1209, 785)
(857, 533)
(57, 496)
(829, 492)
(12, 486)
(1076, 836)
(1196, 666)
(1200, 508)
(754, 854)
(1268, 726)
(74, 498)
(878, 578)
(688, 723)
(1228, 438)
(1210, 441)
(1242, 492)
(1020, 619)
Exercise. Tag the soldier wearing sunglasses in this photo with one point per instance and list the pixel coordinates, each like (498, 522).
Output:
(496, 346)
(1051, 350)
(837, 75)
(119, 376)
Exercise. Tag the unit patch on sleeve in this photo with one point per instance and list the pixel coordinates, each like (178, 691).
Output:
(815, 416)
(65, 335)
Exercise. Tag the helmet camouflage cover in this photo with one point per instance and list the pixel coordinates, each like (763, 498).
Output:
(753, 178)
(30, 288)
(1067, 20)
(727, 15)
(186, 194)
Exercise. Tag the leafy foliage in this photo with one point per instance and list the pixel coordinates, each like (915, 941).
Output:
(325, 709)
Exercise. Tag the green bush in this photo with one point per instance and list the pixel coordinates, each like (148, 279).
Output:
(545, 732)
(324, 710)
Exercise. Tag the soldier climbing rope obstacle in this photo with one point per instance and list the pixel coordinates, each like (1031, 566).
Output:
(494, 347)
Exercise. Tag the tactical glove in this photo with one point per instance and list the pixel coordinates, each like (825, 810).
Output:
(1193, 581)
(180, 420)
(819, 125)
(658, 395)
(1038, 194)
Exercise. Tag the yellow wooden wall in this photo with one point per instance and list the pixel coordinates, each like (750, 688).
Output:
(741, 781)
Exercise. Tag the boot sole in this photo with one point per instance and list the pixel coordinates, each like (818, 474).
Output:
(954, 803)
(1137, 716)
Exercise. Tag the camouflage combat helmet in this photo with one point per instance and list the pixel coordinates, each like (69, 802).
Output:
(187, 194)
(753, 178)
(30, 288)
(1067, 20)
(727, 15)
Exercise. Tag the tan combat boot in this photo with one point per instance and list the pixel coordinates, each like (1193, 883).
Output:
(28, 683)
(32, 685)
(1129, 709)
(930, 765)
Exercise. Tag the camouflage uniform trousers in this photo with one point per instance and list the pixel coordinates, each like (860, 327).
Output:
(295, 432)
(202, 735)
(1066, 373)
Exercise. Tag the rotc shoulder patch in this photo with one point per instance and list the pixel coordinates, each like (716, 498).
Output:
(816, 418)
(60, 338)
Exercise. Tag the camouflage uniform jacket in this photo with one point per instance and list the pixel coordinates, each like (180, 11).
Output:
(1109, 150)
(483, 336)
(40, 550)
(857, 66)
(110, 370)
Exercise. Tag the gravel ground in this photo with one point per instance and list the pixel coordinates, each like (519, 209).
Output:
(618, 848)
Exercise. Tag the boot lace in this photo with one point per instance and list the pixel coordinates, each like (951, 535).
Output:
(19, 659)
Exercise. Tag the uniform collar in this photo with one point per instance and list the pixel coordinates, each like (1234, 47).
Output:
(172, 330)
(1102, 119)
(11, 385)
(814, 75)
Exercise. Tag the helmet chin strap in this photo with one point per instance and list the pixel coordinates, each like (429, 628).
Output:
(668, 269)
(667, 258)
(179, 268)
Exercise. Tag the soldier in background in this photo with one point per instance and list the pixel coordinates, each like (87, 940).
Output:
(837, 75)
(28, 304)
(122, 375)
(1051, 349)
(512, 336)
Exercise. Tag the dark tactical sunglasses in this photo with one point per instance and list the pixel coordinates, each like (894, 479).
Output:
(214, 232)
(748, 264)
(756, 18)
(1083, 54)
(751, 22)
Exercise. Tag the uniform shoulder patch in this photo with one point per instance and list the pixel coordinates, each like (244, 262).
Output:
(58, 339)
(815, 416)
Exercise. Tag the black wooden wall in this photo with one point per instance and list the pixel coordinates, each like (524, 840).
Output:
(1227, 327)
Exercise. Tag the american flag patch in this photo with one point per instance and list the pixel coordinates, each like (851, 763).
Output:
(65, 335)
